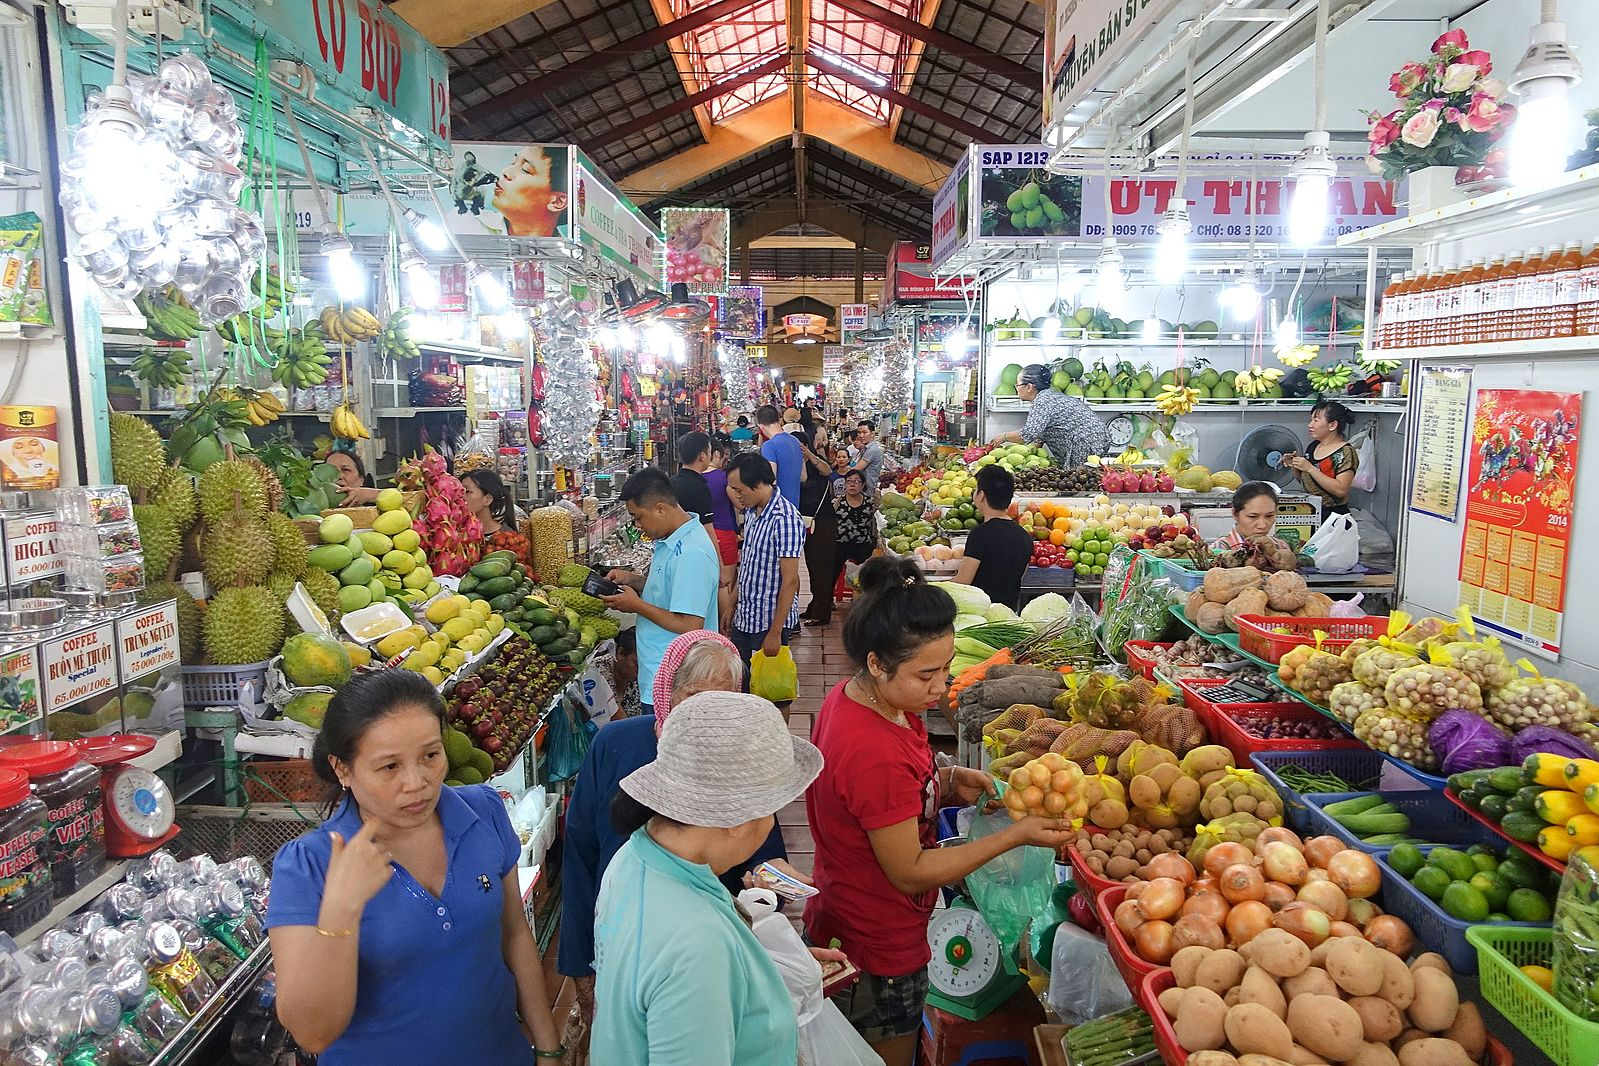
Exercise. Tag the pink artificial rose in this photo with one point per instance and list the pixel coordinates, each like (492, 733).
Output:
(1492, 87)
(1484, 114)
(1384, 131)
(1407, 79)
(1452, 39)
(1452, 114)
(1420, 129)
(1458, 77)
(1479, 59)
(1373, 164)
(1435, 104)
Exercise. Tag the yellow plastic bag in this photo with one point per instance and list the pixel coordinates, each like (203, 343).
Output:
(774, 678)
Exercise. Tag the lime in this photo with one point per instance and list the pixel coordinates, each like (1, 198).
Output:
(1431, 882)
(1498, 918)
(1528, 905)
(1485, 860)
(1542, 976)
(1457, 864)
(1463, 903)
(1406, 859)
(1493, 889)
(1483, 849)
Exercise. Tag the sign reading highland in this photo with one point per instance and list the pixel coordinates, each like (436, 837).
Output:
(1083, 40)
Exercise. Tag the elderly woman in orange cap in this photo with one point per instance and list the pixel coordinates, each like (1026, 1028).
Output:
(695, 662)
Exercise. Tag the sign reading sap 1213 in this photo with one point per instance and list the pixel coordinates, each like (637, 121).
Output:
(1004, 158)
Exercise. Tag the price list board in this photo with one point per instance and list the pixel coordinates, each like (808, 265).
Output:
(1443, 409)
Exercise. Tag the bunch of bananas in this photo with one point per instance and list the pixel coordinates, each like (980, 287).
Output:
(1297, 354)
(272, 290)
(396, 342)
(345, 424)
(306, 360)
(1332, 378)
(162, 368)
(1256, 381)
(1376, 364)
(260, 407)
(1176, 400)
(1130, 457)
(168, 314)
(350, 326)
(249, 331)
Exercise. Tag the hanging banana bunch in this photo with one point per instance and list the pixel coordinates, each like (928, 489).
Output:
(1257, 381)
(350, 326)
(273, 291)
(346, 425)
(260, 408)
(1176, 399)
(162, 368)
(1333, 378)
(168, 315)
(1296, 355)
(396, 342)
(306, 361)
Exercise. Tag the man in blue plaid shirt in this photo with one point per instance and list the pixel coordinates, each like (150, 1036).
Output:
(767, 610)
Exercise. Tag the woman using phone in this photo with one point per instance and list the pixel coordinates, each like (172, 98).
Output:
(1327, 468)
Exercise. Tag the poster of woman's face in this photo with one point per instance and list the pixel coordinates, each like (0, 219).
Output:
(510, 189)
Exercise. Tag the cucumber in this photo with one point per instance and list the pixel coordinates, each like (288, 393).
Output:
(1349, 807)
(1506, 779)
(1494, 806)
(1526, 799)
(1522, 825)
(1466, 779)
(1371, 824)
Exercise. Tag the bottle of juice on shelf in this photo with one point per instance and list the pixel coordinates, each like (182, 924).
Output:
(1396, 334)
(1500, 325)
(1486, 286)
(1586, 319)
(1468, 290)
(1562, 309)
(1446, 305)
(1528, 289)
(1388, 309)
(1432, 304)
(1416, 314)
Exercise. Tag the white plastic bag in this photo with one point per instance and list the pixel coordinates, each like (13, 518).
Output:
(1083, 981)
(1335, 547)
(826, 1037)
(1350, 608)
(593, 687)
(1366, 462)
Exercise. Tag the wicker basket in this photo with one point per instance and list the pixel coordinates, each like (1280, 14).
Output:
(258, 831)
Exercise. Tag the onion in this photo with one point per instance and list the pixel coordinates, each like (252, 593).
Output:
(1356, 873)
(1153, 942)
(1284, 862)
(1391, 934)
(1206, 883)
(1304, 921)
(1210, 904)
(1135, 889)
(1326, 897)
(1162, 898)
(1315, 873)
(1275, 833)
(1318, 850)
(1127, 917)
(1197, 929)
(1172, 865)
(1246, 920)
(1225, 854)
(1342, 929)
(1240, 882)
(1362, 911)
(1277, 895)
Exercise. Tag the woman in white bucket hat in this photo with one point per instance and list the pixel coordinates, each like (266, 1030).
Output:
(681, 979)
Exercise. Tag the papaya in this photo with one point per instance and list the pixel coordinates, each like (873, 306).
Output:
(496, 586)
(494, 568)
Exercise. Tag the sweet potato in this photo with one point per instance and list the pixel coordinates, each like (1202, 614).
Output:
(1212, 618)
(1286, 591)
(1223, 584)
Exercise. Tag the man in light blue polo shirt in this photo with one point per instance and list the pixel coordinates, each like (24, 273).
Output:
(679, 595)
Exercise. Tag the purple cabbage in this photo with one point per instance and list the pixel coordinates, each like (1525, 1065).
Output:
(1541, 738)
(1466, 741)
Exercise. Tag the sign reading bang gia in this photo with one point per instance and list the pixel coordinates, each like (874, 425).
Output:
(696, 248)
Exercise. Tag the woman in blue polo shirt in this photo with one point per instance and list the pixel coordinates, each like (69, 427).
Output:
(397, 928)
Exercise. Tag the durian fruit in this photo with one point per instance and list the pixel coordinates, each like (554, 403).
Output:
(236, 551)
(281, 586)
(274, 487)
(243, 625)
(159, 536)
(289, 551)
(323, 588)
(137, 454)
(190, 622)
(228, 486)
(175, 492)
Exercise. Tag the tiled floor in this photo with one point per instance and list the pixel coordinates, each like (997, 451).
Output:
(819, 654)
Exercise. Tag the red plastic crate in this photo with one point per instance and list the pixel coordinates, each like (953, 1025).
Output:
(1091, 883)
(1138, 658)
(1132, 968)
(1224, 729)
(1148, 997)
(1257, 636)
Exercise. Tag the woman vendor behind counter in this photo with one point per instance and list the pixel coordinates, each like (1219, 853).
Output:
(356, 483)
(1254, 515)
(490, 503)
(1327, 468)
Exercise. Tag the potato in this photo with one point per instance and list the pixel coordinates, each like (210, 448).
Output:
(1120, 866)
(1212, 1058)
(1431, 960)
(1200, 1021)
(1262, 1060)
(1278, 952)
(1221, 970)
(1468, 1031)
(1258, 986)
(1382, 1020)
(1254, 1029)
(1313, 982)
(1326, 1025)
(1303, 1056)
(1398, 986)
(1354, 965)
(1374, 1055)
(1434, 1051)
(1318, 954)
(1171, 1000)
(1408, 1036)
(1185, 964)
(1437, 1000)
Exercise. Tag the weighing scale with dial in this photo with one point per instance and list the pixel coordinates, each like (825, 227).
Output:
(140, 814)
(970, 974)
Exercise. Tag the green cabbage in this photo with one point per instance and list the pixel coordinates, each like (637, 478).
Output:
(968, 599)
(1049, 606)
(998, 612)
(963, 621)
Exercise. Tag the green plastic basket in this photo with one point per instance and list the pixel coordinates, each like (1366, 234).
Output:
(1564, 1037)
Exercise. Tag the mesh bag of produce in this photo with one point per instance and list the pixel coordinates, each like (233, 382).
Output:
(1356, 649)
(1404, 736)
(1040, 735)
(1430, 689)
(1484, 661)
(1422, 630)
(1576, 938)
(1352, 699)
(1002, 766)
(1103, 775)
(1173, 726)
(1374, 667)
(1207, 764)
(1538, 700)
(1080, 743)
(1242, 791)
(1016, 716)
(1313, 672)
(1141, 757)
(1239, 828)
(549, 533)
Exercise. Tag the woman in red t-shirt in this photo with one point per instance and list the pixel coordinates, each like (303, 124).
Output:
(874, 809)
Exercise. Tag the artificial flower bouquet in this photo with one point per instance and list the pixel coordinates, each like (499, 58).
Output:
(1450, 112)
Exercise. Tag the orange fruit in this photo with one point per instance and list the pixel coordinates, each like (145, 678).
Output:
(1062, 524)
(1046, 509)
(1057, 538)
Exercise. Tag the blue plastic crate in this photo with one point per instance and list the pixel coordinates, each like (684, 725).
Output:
(1354, 765)
(1430, 780)
(1434, 929)
(1432, 818)
(1182, 577)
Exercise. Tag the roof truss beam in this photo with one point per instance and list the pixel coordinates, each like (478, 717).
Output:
(704, 190)
(616, 133)
(909, 27)
(448, 25)
(840, 222)
(829, 161)
(972, 131)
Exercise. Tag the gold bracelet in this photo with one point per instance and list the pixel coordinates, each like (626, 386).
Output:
(335, 933)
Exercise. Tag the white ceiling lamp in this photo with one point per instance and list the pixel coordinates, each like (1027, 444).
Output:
(1313, 170)
(490, 289)
(1242, 299)
(429, 233)
(420, 281)
(349, 280)
(1540, 139)
(1171, 251)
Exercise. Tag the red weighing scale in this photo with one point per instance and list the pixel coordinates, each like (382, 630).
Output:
(140, 814)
